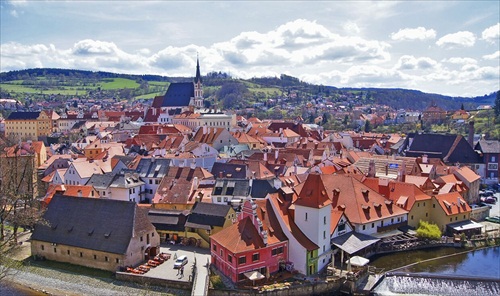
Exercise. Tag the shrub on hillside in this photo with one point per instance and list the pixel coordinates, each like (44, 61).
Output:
(428, 230)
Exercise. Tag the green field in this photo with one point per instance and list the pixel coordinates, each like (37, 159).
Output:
(110, 84)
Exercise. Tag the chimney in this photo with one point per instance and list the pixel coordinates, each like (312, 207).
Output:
(195, 183)
(265, 156)
(204, 129)
(221, 174)
(402, 172)
(471, 134)
(193, 165)
(276, 154)
(371, 168)
(424, 158)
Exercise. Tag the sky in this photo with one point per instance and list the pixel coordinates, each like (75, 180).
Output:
(444, 47)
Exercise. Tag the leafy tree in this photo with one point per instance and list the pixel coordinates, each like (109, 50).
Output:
(233, 95)
(428, 230)
(497, 104)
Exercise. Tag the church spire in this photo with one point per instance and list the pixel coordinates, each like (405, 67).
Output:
(197, 79)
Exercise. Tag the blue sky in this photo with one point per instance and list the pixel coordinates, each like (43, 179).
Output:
(444, 47)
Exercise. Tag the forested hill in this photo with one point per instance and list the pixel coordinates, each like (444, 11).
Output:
(271, 87)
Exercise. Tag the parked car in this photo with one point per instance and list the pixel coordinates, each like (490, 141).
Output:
(488, 193)
(180, 261)
(495, 219)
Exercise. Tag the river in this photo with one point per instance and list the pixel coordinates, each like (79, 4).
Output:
(455, 273)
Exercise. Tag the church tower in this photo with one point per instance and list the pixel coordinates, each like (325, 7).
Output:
(198, 87)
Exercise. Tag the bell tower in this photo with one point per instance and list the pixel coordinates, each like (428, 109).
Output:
(198, 87)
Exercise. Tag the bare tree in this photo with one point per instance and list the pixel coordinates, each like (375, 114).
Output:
(19, 206)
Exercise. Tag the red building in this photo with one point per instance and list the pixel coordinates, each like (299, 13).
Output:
(255, 242)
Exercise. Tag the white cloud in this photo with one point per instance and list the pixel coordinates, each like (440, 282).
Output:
(419, 33)
(492, 33)
(460, 60)
(408, 62)
(18, 2)
(14, 13)
(351, 27)
(493, 56)
(462, 39)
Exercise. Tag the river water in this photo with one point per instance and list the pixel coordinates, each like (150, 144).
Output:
(465, 273)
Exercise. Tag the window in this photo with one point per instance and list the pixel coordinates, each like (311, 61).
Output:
(69, 253)
(412, 217)
(150, 181)
(306, 216)
(373, 225)
(214, 247)
(141, 238)
(364, 227)
(230, 258)
(81, 254)
(117, 260)
(493, 158)
(106, 259)
(492, 166)
(152, 234)
(324, 234)
(55, 250)
(43, 248)
(255, 257)
(324, 220)
(95, 257)
(242, 260)
(434, 206)
(426, 214)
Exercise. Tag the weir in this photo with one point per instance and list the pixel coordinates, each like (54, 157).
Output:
(427, 284)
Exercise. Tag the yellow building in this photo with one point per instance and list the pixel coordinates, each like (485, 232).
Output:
(449, 208)
(29, 125)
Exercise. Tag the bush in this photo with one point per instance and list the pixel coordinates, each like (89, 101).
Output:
(428, 230)
(216, 282)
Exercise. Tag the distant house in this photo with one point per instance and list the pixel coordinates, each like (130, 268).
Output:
(151, 171)
(97, 233)
(490, 150)
(231, 191)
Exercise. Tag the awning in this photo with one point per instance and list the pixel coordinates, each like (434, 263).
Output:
(358, 261)
(465, 225)
(353, 242)
(254, 275)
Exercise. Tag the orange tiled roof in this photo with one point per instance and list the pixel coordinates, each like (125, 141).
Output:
(239, 237)
(452, 203)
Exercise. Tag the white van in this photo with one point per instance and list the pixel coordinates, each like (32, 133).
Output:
(180, 261)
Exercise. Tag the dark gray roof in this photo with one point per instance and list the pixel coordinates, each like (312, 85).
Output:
(229, 170)
(101, 181)
(260, 188)
(23, 115)
(207, 215)
(178, 94)
(232, 187)
(91, 223)
(153, 167)
(488, 146)
(126, 181)
(450, 148)
(167, 220)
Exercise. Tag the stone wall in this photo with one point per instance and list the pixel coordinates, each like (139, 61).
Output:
(318, 288)
(143, 280)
